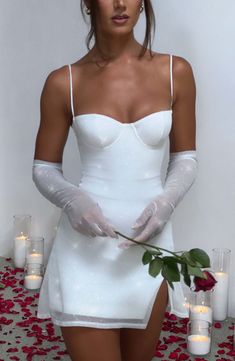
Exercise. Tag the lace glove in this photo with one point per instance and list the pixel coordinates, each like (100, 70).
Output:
(84, 214)
(181, 174)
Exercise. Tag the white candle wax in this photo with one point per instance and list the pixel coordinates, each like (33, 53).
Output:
(32, 282)
(220, 296)
(19, 251)
(34, 258)
(186, 304)
(199, 344)
(200, 312)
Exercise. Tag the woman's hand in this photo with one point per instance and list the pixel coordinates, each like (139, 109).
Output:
(84, 213)
(153, 219)
(86, 217)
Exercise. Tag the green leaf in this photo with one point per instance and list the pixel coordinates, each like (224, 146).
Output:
(171, 284)
(183, 269)
(200, 256)
(167, 276)
(158, 253)
(147, 257)
(195, 271)
(186, 256)
(170, 271)
(155, 267)
(187, 279)
(170, 259)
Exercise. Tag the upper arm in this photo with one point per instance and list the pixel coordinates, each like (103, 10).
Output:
(183, 131)
(54, 117)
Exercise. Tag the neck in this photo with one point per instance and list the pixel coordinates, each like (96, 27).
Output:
(121, 48)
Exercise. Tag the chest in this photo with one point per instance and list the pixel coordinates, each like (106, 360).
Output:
(126, 94)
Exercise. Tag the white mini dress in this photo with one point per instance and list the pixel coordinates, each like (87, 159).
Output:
(89, 281)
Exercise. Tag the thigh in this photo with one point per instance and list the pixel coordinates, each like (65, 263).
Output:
(89, 344)
(140, 344)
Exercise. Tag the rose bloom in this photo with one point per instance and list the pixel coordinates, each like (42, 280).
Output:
(204, 284)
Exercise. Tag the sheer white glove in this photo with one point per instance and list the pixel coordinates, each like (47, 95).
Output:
(181, 174)
(84, 214)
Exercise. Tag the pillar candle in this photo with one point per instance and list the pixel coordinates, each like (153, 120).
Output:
(220, 296)
(34, 258)
(32, 282)
(199, 344)
(200, 312)
(19, 251)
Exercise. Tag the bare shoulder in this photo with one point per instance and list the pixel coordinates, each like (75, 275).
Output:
(57, 79)
(182, 72)
(56, 88)
(181, 66)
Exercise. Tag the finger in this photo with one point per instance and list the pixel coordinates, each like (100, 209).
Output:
(89, 228)
(108, 229)
(150, 230)
(144, 217)
(86, 232)
(96, 229)
(125, 245)
(104, 223)
(111, 227)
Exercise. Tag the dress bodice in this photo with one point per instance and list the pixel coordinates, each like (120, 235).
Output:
(123, 155)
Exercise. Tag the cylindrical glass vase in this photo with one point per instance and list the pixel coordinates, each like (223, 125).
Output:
(21, 231)
(35, 250)
(220, 267)
(200, 305)
(199, 337)
(33, 276)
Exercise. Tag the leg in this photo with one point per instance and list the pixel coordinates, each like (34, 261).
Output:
(89, 344)
(139, 344)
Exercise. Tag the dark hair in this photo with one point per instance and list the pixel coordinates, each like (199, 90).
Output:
(150, 25)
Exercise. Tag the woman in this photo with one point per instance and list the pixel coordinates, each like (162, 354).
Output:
(120, 101)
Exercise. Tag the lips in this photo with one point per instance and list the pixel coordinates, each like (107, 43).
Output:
(120, 16)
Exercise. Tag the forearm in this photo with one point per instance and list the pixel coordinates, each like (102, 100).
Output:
(181, 174)
(84, 213)
(49, 180)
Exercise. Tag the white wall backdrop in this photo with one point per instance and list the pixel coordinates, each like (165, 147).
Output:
(37, 37)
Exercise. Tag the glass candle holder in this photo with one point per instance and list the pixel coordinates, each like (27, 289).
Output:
(200, 305)
(21, 230)
(35, 250)
(33, 276)
(220, 267)
(186, 302)
(233, 336)
(199, 337)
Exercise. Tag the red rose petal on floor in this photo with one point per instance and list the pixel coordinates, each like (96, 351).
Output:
(231, 353)
(162, 347)
(217, 325)
(178, 349)
(183, 357)
(62, 353)
(173, 356)
(158, 354)
(5, 321)
(227, 345)
(12, 349)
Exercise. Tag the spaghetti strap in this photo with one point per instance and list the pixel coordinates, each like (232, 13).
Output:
(71, 88)
(171, 78)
